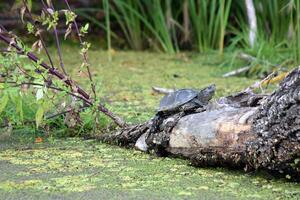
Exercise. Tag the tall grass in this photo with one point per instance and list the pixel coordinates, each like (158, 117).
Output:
(107, 23)
(151, 15)
(277, 43)
(130, 24)
(205, 24)
(273, 20)
(296, 33)
(157, 17)
(209, 20)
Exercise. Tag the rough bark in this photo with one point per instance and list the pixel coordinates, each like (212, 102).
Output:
(241, 131)
(277, 126)
(126, 136)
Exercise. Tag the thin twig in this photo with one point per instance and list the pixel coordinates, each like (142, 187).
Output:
(61, 63)
(39, 34)
(43, 85)
(64, 112)
(24, 71)
(84, 53)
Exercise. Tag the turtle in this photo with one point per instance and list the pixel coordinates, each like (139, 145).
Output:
(185, 100)
(174, 106)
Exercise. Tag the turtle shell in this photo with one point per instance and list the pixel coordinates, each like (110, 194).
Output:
(175, 99)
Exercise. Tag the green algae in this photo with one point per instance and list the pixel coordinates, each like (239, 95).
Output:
(75, 169)
(68, 166)
(126, 82)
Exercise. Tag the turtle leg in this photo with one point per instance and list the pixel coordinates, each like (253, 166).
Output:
(161, 139)
(155, 123)
(171, 122)
(154, 138)
(157, 139)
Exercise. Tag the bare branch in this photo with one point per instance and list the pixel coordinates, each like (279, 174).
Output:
(237, 71)
(61, 63)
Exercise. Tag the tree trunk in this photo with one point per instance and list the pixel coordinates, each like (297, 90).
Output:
(263, 135)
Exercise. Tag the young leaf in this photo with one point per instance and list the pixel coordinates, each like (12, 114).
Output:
(30, 28)
(84, 29)
(70, 17)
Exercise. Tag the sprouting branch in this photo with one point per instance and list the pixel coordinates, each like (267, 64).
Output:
(84, 53)
(55, 72)
(39, 34)
(61, 63)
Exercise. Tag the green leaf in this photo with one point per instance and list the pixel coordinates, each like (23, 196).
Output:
(4, 101)
(30, 28)
(39, 94)
(84, 29)
(39, 116)
(70, 17)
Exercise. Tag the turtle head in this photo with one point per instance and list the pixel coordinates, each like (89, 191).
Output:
(210, 89)
(206, 94)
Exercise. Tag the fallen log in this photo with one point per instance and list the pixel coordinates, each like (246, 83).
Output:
(241, 131)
